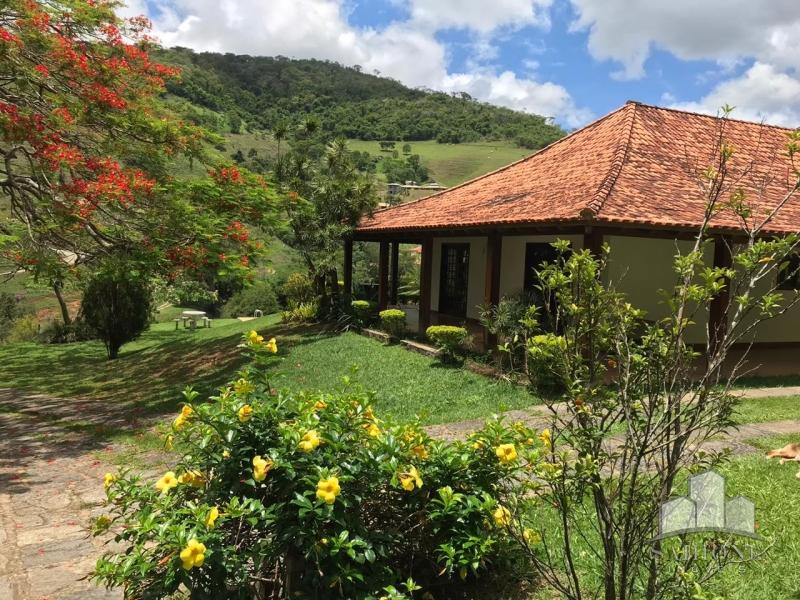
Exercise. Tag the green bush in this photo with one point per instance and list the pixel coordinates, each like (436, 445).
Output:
(362, 312)
(292, 494)
(59, 333)
(546, 364)
(298, 289)
(305, 312)
(9, 312)
(244, 303)
(393, 321)
(117, 304)
(450, 340)
(23, 329)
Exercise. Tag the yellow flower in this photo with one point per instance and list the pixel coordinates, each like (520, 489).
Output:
(328, 489)
(180, 420)
(507, 453)
(420, 451)
(245, 413)
(410, 479)
(368, 414)
(102, 522)
(243, 387)
(261, 467)
(169, 442)
(320, 405)
(531, 537)
(373, 430)
(108, 479)
(546, 438)
(226, 454)
(193, 555)
(192, 478)
(213, 515)
(254, 338)
(309, 442)
(272, 346)
(167, 482)
(478, 445)
(502, 516)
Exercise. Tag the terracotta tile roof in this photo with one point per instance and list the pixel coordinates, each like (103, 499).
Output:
(633, 166)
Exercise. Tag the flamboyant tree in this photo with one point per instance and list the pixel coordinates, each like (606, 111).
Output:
(86, 150)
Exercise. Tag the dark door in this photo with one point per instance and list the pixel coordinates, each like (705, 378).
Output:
(535, 255)
(454, 279)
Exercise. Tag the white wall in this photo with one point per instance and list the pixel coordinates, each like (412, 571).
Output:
(638, 267)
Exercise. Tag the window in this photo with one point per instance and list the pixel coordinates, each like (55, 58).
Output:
(789, 275)
(535, 255)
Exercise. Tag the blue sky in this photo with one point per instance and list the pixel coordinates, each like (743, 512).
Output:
(573, 60)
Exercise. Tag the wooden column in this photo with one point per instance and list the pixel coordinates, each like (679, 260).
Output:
(348, 270)
(494, 250)
(383, 276)
(593, 241)
(425, 284)
(718, 309)
(395, 273)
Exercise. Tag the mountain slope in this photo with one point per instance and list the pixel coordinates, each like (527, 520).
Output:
(262, 92)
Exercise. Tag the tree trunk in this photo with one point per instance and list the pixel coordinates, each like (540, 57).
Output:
(58, 288)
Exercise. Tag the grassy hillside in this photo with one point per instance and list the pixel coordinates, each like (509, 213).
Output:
(257, 93)
(451, 164)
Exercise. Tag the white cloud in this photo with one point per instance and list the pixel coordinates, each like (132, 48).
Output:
(761, 93)
(477, 15)
(506, 89)
(722, 30)
(405, 50)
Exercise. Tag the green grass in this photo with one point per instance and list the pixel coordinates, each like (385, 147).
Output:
(451, 164)
(763, 410)
(406, 383)
(151, 372)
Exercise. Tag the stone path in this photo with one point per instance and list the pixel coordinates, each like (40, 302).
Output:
(50, 490)
(51, 471)
(538, 417)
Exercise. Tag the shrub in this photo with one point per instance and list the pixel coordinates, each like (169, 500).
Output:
(289, 494)
(117, 305)
(298, 289)
(362, 312)
(305, 312)
(393, 321)
(9, 312)
(546, 364)
(23, 329)
(59, 333)
(259, 296)
(449, 339)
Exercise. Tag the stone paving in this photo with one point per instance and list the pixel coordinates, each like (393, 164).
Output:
(50, 490)
(51, 471)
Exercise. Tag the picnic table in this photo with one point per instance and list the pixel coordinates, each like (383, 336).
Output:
(191, 317)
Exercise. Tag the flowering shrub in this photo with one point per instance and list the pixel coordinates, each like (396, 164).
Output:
(449, 339)
(283, 495)
(393, 321)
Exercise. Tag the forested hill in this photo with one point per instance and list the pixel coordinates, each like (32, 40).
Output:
(262, 92)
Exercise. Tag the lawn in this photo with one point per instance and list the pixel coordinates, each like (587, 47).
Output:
(451, 164)
(763, 410)
(152, 371)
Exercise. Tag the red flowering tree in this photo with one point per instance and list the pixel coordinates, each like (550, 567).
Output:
(86, 150)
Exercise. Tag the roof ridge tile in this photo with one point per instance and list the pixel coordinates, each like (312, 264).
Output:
(594, 205)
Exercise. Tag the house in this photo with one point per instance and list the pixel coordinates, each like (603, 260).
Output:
(629, 179)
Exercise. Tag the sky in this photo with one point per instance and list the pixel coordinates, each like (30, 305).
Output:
(572, 60)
